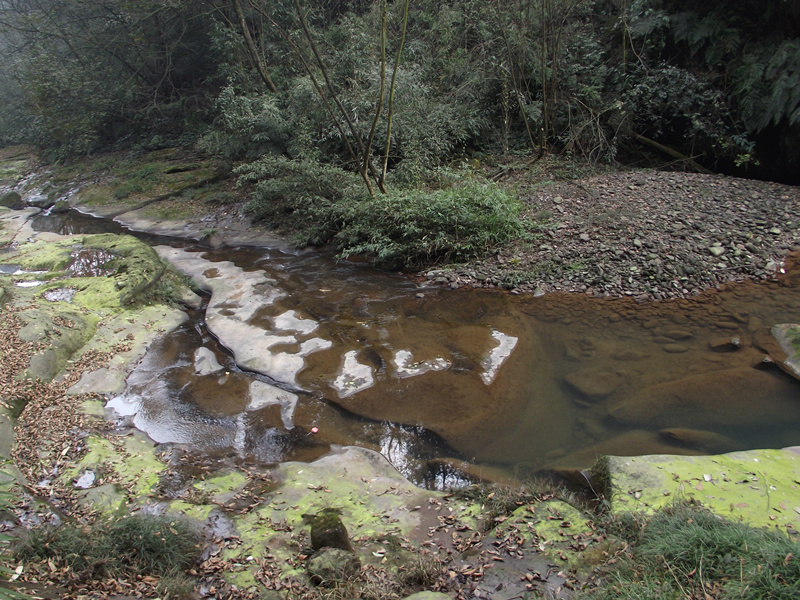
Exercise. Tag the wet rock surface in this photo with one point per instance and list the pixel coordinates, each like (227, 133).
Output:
(649, 235)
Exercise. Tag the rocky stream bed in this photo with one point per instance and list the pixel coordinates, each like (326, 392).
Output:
(645, 235)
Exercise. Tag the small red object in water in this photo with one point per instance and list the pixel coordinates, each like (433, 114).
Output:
(314, 429)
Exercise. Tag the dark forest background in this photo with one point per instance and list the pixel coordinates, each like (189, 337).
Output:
(394, 90)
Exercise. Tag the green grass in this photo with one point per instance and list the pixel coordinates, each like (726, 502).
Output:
(689, 552)
(135, 545)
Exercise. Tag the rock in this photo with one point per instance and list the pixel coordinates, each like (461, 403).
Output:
(711, 400)
(716, 250)
(205, 362)
(594, 384)
(12, 200)
(60, 207)
(427, 596)
(726, 344)
(677, 334)
(236, 298)
(39, 201)
(788, 337)
(332, 565)
(705, 441)
(630, 443)
(732, 485)
(327, 530)
(628, 355)
(675, 348)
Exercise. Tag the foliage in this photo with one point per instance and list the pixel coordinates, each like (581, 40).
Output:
(414, 227)
(689, 552)
(718, 81)
(134, 545)
(246, 126)
(296, 193)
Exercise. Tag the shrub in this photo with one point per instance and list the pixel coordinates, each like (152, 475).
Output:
(7, 498)
(414, 227)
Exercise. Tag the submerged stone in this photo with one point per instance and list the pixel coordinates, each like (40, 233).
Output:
(710, 400)
(707, 442)
(594, 384)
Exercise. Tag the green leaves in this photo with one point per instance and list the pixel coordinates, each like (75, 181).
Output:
(411, 228)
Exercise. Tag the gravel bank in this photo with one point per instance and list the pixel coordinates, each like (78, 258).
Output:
(646, 234)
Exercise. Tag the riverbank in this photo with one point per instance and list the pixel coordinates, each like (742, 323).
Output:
(646, 234)
(649, 235)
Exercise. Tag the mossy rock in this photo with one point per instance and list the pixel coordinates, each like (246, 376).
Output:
(12, 200)
(758, 487)
(64, 331)
(327, 530)
(133, 267)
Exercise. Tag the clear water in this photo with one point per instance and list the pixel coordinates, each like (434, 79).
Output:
(585, 376)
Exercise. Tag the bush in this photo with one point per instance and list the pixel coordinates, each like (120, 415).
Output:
(415, 227)
(298, 194)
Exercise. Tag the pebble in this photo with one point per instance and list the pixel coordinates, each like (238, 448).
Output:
(693, 241)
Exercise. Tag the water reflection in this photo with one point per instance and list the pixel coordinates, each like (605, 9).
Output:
(91, 262)
(517, 383)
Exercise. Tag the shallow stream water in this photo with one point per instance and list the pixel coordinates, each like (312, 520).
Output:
(432, 376)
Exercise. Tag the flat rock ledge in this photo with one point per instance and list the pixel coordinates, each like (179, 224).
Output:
(759, 487)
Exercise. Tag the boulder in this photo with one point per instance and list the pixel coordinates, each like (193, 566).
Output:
(788, 337)
(758, 487)
(205, 362)
(698, 439)
(594, 384)
(12, 200)
(626, 444)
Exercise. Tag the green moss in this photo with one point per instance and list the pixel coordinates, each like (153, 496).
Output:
(134, 465)
(222, 487)
(759, 487)
(196, 512)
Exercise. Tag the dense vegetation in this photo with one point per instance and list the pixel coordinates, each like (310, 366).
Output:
(323, 105)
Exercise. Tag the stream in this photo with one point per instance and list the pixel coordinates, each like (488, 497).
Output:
(302, 352)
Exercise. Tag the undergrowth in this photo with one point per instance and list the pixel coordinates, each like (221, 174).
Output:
(402, 229)
(415, 227)
(7, 499)
(139, 544)
(687, 552)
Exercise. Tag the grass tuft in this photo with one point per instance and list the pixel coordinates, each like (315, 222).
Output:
(135, 545)
(688, 552)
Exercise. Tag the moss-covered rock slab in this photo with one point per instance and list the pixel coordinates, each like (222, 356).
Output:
(758, 487)
(105, 272)
(126, 470)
